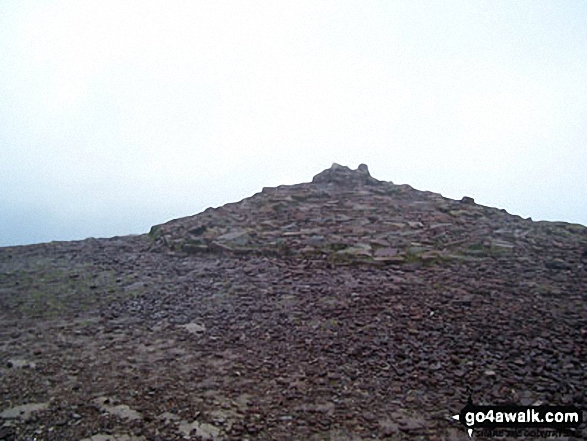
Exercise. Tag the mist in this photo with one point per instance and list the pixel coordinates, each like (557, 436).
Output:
(115, 116)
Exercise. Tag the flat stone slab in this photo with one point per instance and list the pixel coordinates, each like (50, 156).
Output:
(194, 328)
(117, 437)
(24, 411)
(204, 431)
(19, 363)
(121, 410)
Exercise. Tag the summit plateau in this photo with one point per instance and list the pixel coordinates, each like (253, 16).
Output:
(346, 308)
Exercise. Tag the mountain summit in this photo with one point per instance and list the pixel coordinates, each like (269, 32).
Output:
(346, 216)
(342, 175)
(346, 308)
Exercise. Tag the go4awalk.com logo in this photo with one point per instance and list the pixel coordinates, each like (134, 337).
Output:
(524, 421)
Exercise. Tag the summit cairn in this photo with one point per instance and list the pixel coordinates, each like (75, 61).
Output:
(346, 216)
(342, 175)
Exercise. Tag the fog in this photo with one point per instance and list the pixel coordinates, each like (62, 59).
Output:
(115, 116)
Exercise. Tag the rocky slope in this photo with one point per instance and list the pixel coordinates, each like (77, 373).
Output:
(345, 308)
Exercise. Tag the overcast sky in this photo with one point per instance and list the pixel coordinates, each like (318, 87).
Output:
(118, 115)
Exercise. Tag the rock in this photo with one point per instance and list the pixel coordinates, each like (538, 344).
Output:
(23, 412)
(205, 431)
(199, 230)
(238, 238)
(222, 247)
(429, 256)
(390, 259)
(385, 252)
(7, 433)
(557, 264)
(359, 249)
(327, 408)
(122, 410)
(19, 363)
(316, 240)
(501, 245)
(464, 299)
(408, 422)
(468, 200)
(168, 417)
(369, 416)
(114, 437)
(195, 248)
(416, 250)
(342, 175)
(194, 328)
(388, 428)
(308, 250)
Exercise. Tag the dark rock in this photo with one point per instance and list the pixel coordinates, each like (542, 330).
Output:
(198, 230)
(363, 169)
(195, 248)
(557, 264)
(7, 433)
(342, 175)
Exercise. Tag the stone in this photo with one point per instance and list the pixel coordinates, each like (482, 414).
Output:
(194, 328)
(19, 363)
(199, 230)
(385, 252)
(24, 411)
(363, 169)
(114, 437)
(342, 175)
(501, 245)
(390, 259)
(195, 248)
(316, 239)
(465, 299)
(239, 238)
(557, 264)
(205, 431)
(429, 256)
(388, 427)
(355, 251)
(122, 410)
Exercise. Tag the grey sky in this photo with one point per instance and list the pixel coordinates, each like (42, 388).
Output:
(115, 116)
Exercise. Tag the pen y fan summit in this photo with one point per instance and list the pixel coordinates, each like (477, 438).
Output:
(347, 216)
